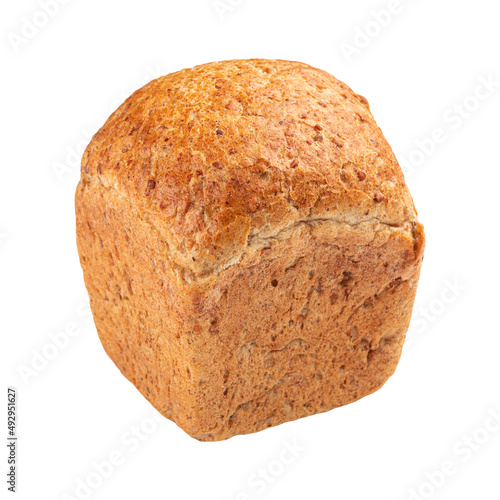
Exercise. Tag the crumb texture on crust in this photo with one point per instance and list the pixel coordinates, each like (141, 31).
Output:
(225, 155)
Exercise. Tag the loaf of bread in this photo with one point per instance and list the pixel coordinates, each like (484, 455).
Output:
(249, 245)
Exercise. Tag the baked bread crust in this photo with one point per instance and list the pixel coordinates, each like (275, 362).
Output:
(249, 245)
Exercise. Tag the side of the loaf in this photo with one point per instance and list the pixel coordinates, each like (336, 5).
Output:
(142, 309)
(314, 320)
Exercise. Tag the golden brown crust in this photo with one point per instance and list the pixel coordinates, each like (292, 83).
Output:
(251, 276)
(237, 150)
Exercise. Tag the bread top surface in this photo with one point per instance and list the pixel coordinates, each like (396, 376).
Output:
(223, 156)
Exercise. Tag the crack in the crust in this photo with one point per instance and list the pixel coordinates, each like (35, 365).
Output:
(250, 110)
(310, 221)
(254, 241)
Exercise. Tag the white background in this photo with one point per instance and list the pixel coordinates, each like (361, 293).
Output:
(420, 72)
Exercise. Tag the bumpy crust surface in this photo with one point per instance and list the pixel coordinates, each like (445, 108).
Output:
(249, 245)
